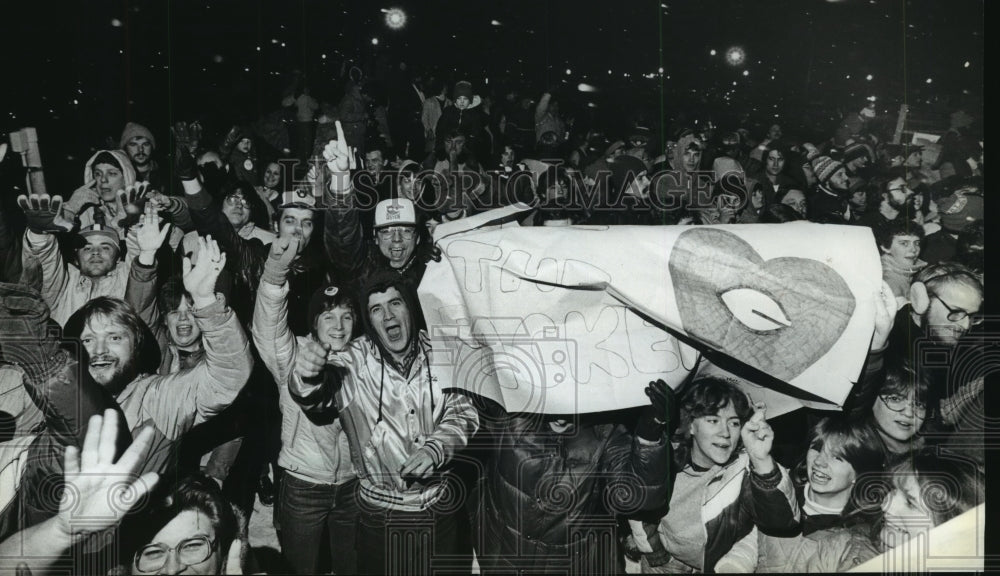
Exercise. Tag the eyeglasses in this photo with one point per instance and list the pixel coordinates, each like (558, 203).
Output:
(236, 199)
(898, 403)
(388, 233)
(192, 551)
(957, 314)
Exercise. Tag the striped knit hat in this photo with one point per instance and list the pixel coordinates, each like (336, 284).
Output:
(857, 150)
(824, 167)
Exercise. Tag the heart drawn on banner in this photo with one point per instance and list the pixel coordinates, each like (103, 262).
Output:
(779, 315)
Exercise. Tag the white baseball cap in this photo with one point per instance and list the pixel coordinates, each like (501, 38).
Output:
(395, 212)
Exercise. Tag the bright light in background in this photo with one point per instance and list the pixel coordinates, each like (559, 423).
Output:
(660, 70)
(869, 77)
(394, 18)
(374, 41)
(746, 72)
(871, 98)
(929, 80)
(568, 71)
(711, 53)
(582, 87)
(735, 56)
(495, 22)
(966, 64)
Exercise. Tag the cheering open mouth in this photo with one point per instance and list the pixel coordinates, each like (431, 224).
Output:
(394, 332)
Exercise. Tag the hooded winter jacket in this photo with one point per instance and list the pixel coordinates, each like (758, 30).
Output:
(114, 212)
(468, 122)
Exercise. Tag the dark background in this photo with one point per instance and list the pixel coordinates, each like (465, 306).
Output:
(78, 71)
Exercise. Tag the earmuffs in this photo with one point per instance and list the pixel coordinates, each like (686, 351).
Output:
(920, 299)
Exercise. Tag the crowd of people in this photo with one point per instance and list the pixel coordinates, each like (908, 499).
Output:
(208, 323)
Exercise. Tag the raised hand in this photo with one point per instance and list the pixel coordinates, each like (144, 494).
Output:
(149, 235)
(184, 164)
(758, 437)
(200, 278)
(100, 491)
(279, 260)
(133, 198)
(44, 213)
(885, 316)
(340, 160)
(661, 413)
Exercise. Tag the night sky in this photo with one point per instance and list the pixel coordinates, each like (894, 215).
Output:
(78, 71)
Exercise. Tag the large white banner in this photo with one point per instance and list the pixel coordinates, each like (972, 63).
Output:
(572, 319)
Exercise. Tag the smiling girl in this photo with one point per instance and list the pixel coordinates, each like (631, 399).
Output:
(727, 485)
(840, 452)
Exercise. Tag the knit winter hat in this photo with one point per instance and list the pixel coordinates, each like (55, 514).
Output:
(960, 209)
(132, 130)
(857, 150)
(325, 298)
(463, 88)
(824, 167)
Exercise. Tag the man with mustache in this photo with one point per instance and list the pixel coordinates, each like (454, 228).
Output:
(121, 357)
(828, 201)
(139, 144)
(893, 206)
(404, 429)
(99, 270)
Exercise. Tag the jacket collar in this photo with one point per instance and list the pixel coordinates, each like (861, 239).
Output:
(84, 280)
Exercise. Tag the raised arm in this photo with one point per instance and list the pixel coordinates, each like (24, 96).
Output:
(542, 107)
(642, 461)
(103, 487)
(274, 340)
(342, 233)
(140, 291)
(771, 502)
(211, 385)
(43, 215)
(244, 256)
